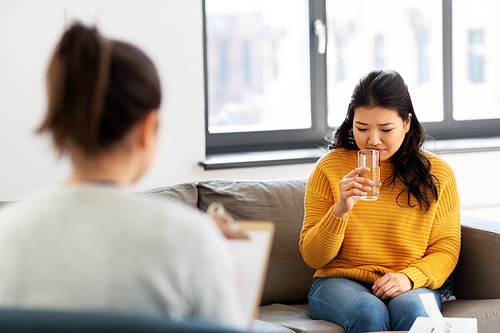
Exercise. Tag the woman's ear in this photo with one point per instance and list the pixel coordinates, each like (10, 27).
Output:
(408, 123)
(148, 129)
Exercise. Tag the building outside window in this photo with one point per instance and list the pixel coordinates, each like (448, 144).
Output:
(476, 60)
(476, 56)
(266, 63)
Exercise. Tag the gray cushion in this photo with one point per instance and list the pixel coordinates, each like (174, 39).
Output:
(478, 269)
(487, 311)
(282, 202)
(266, 327)
(296, 318)
(186, 192)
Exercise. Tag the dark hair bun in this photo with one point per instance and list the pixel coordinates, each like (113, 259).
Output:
(97, 90)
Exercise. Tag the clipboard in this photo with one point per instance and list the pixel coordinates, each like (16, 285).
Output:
(253, 260)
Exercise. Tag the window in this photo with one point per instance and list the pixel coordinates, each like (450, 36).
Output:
(259, 77)
(264, 59)
(270, 85)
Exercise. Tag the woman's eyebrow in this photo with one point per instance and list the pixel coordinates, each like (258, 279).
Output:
(360, 123)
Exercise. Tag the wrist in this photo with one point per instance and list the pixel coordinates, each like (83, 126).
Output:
(409, 280)
(339, 213)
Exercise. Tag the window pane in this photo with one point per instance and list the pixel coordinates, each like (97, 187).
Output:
(476, 59)
(258, 65)
(405, 36)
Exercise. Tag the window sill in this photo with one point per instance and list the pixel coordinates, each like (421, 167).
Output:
(298, 156)
(264, 158)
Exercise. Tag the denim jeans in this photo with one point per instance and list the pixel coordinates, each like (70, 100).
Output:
(353, 306)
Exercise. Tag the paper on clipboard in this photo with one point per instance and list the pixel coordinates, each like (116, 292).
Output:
(253, 259)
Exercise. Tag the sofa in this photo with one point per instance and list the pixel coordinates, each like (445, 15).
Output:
(284, 300)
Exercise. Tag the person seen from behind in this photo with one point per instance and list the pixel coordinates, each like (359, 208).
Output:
(88, 244)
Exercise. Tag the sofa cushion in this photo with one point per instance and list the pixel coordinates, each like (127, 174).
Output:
(296, 318)
(187, 192)
(282, 202)
(266, 327)
(487, 312)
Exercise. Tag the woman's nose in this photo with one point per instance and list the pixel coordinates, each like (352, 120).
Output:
(374, 138)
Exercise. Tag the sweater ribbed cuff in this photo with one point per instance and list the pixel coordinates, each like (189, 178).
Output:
(416, 276)
(335, 224)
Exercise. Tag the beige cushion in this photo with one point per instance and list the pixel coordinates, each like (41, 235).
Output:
(3, 203)
(296, 318)
(282, 202)
(186, 192)
(487, 311)
(478, 270)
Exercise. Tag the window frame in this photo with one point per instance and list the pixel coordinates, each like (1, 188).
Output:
(220, 143)
(449, 128)
(242, 142)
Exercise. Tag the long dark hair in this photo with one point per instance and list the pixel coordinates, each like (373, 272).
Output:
(387, 89)
(97, 89)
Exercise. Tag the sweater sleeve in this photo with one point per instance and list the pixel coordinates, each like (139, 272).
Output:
(322, 232)
(443, 249)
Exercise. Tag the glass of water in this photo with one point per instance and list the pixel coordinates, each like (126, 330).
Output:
(368, 158)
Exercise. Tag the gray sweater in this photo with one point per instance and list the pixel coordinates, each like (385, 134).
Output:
(96, 247)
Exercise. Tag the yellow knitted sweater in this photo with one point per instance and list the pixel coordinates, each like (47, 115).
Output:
(379, 237)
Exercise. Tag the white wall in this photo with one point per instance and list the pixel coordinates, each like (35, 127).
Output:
(477, 179)
(170, 31)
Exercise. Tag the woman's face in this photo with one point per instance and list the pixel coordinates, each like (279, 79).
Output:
(380, 129)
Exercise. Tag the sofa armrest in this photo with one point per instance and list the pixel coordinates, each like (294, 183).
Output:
(478, 269)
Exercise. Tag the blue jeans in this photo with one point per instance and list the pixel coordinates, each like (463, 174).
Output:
(353, 306)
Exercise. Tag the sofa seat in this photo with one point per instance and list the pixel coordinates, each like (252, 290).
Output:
(296, 318)
(266, 326)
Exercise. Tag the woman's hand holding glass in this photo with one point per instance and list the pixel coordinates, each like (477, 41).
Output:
(351, 187)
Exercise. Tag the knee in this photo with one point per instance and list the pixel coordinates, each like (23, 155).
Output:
(372, 313)
(364, 314)
(408, 303)
(404, 310)
(368, 317)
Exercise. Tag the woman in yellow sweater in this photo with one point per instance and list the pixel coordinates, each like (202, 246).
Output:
(373, 258)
